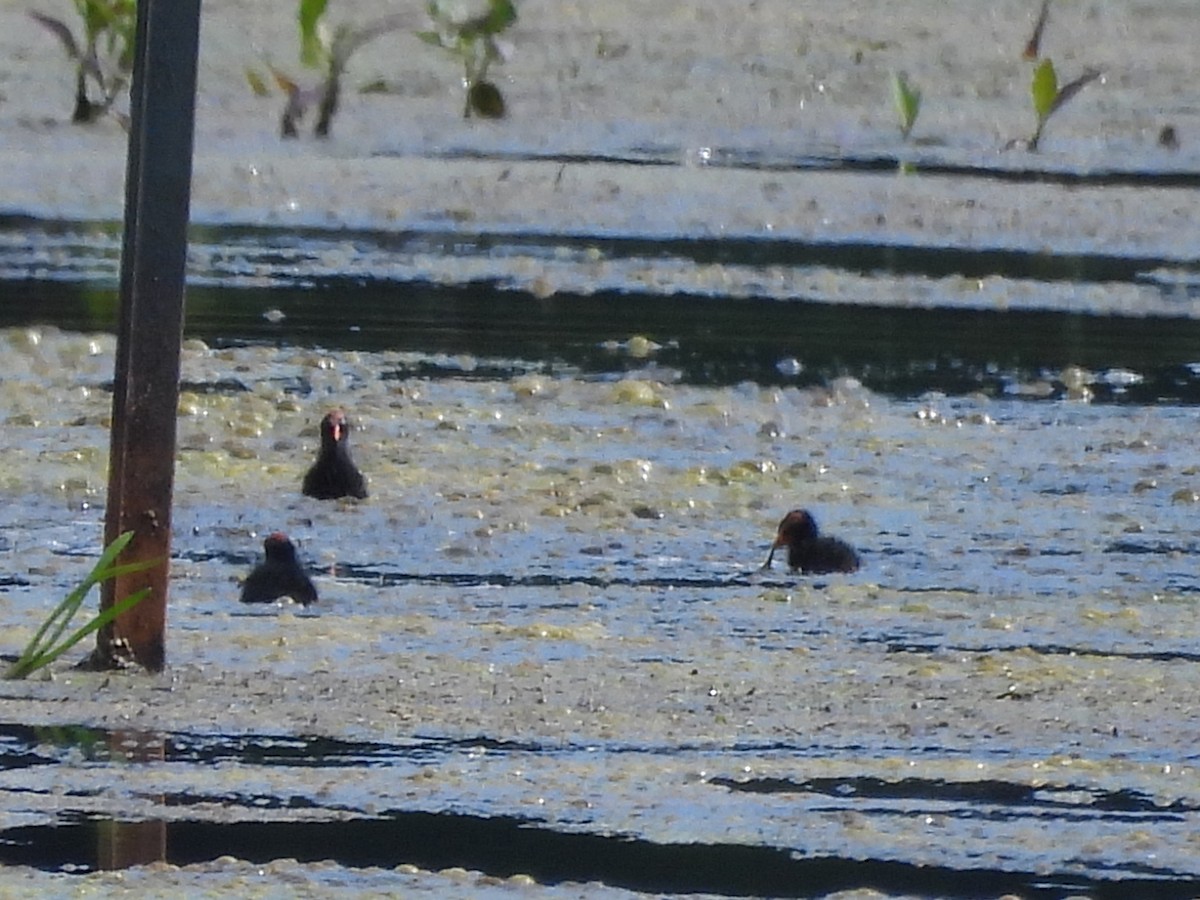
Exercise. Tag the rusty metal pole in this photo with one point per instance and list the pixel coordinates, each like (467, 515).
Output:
(146, 383)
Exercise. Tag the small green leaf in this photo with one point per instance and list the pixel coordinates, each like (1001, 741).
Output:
(501, 14)
(312, 47)
(93, 14)
(1044, 89)
(258, 84)
(431, 37)
(907, 100)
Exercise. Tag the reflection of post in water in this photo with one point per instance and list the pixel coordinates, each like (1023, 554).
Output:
(120, 845)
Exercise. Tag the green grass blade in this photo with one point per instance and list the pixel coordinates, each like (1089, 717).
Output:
(56, 623)
(45, 646)
(102, 571)
(74, 601)
(51, 653)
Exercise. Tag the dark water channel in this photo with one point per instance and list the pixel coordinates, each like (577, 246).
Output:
(374, 291)
(505, 846)
(976, 714)
(712, 341)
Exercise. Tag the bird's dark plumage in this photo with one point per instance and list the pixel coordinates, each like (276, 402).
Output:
(334, 474)
(279, 575)
(808, 551)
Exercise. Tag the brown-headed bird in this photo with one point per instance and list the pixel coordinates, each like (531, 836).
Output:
(808, 551)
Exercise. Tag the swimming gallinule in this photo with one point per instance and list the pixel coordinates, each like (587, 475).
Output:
(334, 474)
(279, 575)
(808, 551)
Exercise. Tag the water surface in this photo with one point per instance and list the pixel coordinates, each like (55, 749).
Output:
(550, 613)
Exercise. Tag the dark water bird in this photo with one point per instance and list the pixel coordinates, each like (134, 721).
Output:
(279, 575)
(808, 551)
(334, 474)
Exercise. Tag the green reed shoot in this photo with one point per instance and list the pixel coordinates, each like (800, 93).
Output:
(907, 100)
(104, 57)
(49, 643)
(473, 42)
(1048, 97)
(329, 52)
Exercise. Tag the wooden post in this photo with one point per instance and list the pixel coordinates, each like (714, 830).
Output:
(146, 382)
